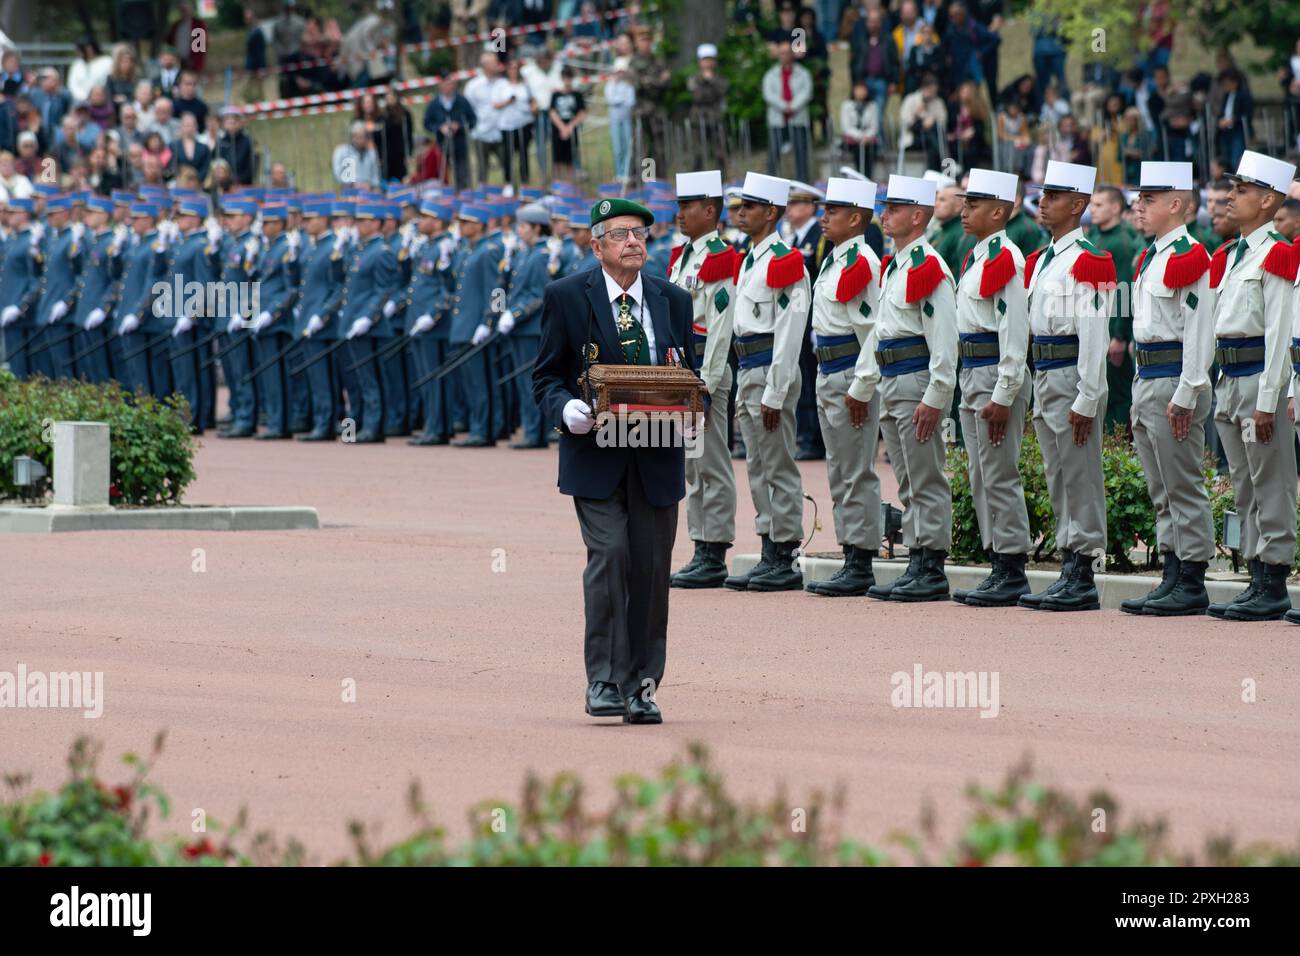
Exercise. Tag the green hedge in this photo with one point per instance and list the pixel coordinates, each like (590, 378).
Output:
(685, 815)
(152, 450)
(1130, 516)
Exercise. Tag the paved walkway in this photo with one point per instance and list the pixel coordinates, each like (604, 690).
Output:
(467, 677)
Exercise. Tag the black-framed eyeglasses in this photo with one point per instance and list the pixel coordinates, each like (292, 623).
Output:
(621, 234)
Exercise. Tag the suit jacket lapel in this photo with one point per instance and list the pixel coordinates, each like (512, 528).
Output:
(611, 352)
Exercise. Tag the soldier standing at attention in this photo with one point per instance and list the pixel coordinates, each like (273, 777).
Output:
(148, 263)
(277, 269)
(372, 276)
(523, 316)
(1254, 276)
(98, 287)
(705, 267)
(916, 361)
(800, 230)
(1070, 283)
(1171, 397)
(426, 311)
(770, 318)
(1110, 233)
(321, 273)
(57, 287)
(240, 251)
(845, 298)
(20, 283)
(652, 80)
(708, 92)
(993, 333)
(197, 259)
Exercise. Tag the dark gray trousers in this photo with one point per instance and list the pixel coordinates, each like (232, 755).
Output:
(625, 585)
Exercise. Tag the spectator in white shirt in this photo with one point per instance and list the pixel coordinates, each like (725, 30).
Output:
(487, 131)
(89, 69)
(355, 162)
(542, 74)
(513, 104)
(620, 97)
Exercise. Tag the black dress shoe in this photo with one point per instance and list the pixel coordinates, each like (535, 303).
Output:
(528, 444)
(399, 432)
(236, 433)
(297, 427)
(324, 435)
(604, 700)
(369, 438)
(473, 441)
(427, 440)
(273, 436)
(641, 711)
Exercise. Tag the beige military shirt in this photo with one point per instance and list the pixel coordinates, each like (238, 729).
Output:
(712, 304)
(782, 313)
(1005, 312)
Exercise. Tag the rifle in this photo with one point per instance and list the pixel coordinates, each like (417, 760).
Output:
(49, 345)
(221, 353)
(269, 363)
(95, 347)
(511, 376)
(156, 340)
(456, 361)
(388, 351)
(295, 372)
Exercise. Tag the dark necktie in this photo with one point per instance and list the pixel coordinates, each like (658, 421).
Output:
(1146, 260)
(631, 336)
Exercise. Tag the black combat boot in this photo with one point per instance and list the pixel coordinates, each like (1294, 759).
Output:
(740, 582)
(1010, 585)
(1168, 578)
(690, 565)
(815, 587)
(883, 591)
(711, 570)
(1270, 602)
(929, 584)
(1219, 608)
(1080, 591)
(1035, 601)
(960, 594)
(784, 574)
(1188, 595)
(853, 579)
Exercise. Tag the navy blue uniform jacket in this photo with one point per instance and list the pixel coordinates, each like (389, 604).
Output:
(570, 306)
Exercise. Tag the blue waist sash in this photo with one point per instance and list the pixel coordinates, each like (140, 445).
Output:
(1240, 356)
(754, 351)
(835, 353)
(902, 355)
(973, 347)
(1149, 364)
(1054, 351)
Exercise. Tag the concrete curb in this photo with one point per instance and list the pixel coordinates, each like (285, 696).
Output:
(1112, 588)
(241, 518)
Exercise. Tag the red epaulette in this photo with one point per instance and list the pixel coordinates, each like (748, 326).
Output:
(1219, 263)
(785, 270)
(1281, 261)
(853, 279)
(719, 265)
(998, 271)
(923, 279)
(1031, 260)
(674, 256)
(1094, 269)
(884, 266)
(1184, 268)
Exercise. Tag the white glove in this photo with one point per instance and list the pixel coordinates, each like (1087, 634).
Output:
(293, 240)
(480, 334)
(360, 327)
(389, 308)
(577, 416)
(256, 227)
(506, 323)
(262, 322)
(9, 314)
(129, 324)
(183, 324)
(423, 324)
(38, 233)
(78, 230)
(236, 322)
(58, 310)
(315, 324)
(251, 248)
(121, 235)
(214, 232)
(95, 319)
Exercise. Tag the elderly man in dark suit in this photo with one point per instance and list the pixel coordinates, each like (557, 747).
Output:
(626, 497)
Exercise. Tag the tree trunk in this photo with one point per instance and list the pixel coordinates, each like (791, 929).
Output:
(697, 21)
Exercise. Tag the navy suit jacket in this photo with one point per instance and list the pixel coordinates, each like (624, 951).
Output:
(570, 308)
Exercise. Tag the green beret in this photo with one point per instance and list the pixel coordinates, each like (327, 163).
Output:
(609, 208)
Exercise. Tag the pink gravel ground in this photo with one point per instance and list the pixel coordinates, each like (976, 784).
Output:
(468, 677)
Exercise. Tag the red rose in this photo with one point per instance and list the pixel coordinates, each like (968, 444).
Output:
(44, 859)
(198, 849)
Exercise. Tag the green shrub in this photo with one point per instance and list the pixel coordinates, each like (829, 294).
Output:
(151, 449)
(684, 816)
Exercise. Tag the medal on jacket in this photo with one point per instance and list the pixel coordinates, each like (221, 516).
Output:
(624, 314)
(593, 352)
